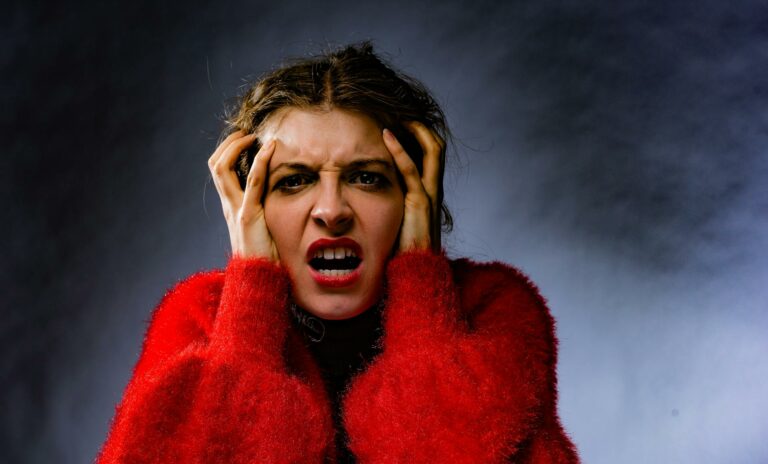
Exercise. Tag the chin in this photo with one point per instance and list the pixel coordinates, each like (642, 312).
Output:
(337, 303)
(336, 307)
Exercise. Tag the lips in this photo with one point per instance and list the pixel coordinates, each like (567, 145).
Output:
(327, 243)
(335, 262)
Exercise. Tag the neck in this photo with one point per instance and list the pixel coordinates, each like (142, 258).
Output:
(360, 327)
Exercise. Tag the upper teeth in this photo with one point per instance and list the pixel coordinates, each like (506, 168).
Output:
(334, 253)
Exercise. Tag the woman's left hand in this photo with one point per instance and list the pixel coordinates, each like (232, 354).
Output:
(421, 222)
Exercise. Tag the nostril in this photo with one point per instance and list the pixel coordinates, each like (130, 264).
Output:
(333, 222)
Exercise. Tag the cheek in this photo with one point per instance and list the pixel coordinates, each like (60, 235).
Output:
(385, 219)
(283, 223)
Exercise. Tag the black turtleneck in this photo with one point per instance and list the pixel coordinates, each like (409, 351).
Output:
(341, 348)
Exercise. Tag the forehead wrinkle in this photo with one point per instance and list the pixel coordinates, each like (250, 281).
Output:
(316, 149)
(336, 166)
(330, 156)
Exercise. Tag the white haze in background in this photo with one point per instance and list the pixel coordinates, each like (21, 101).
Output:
(615, 155)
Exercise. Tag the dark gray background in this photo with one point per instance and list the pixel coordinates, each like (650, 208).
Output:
(615, 151)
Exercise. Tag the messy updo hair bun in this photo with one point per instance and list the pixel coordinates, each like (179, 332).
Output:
(351, 78)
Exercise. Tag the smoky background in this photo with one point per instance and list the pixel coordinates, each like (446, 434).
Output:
(613, 151)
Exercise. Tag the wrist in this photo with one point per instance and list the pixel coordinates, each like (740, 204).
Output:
(422, 298)
(252, 313)
(244, 253)
(415, 245)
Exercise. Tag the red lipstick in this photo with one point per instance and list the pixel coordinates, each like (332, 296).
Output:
(335, 281)
(343, 242)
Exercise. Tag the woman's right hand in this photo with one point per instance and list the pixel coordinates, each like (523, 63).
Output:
(243, 210)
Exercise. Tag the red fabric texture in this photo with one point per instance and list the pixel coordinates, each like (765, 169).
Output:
(466, 375)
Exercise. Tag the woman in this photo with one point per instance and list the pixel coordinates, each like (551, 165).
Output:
(339, 330)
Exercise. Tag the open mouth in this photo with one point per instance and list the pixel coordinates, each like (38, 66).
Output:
(335, 263)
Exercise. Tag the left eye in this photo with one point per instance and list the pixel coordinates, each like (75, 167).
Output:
(367, 178)
(292, 183)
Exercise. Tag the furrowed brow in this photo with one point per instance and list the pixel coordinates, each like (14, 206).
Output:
(364, 163)
(301, 167)
(357, 164)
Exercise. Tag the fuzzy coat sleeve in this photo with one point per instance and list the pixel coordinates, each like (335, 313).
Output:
(467, 372)
(211, 385)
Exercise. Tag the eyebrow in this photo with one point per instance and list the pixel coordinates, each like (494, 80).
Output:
(357, 164)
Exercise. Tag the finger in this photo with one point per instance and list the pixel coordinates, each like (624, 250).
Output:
(222, 146)
(217, 155)
(224, 174)
(404, 163)
(413, 126)
(433, 147)
(254, 185)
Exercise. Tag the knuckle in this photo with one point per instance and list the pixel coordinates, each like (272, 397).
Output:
(410, 170)
(436, 146)
(220, 168)
(243, 218)
(247, 217)
(254, 178)
(421, 202)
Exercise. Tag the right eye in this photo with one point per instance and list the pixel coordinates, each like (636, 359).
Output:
(292, 183)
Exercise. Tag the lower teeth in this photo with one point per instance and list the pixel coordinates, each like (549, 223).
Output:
(334, 272)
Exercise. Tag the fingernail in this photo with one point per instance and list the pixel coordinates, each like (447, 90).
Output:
(389, 135)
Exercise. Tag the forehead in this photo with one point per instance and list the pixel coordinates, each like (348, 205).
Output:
(323, 137)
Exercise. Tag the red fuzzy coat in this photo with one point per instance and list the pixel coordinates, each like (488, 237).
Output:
(466, 375)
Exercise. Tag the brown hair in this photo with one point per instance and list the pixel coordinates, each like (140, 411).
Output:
(352, 78)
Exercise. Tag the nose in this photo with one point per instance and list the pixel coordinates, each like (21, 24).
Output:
(331, 210)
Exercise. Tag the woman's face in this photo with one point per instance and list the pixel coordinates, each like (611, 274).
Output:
(333, 207)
